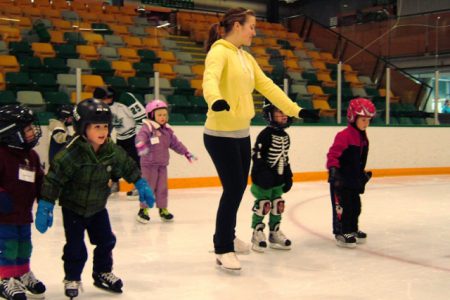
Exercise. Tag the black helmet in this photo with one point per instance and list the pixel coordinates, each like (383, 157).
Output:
(267, 109)
(64, 111)
(13, 120)
(91, 111)
(103, 93)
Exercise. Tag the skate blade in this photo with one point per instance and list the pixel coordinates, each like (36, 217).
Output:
(345, 245)
(258, 249)
(166, 220)
(140, 220)
(34, 296)
(360, 241)
(219, 264)
(246, 252)
(101, 286)
(279, 247)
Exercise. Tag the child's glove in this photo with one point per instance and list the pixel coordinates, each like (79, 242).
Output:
(44, 216)
(190, 157)
(220, 105)
(287, 184)
(312, 114)
(368, 175)
(335, 178)
(6, 203)
(146, 196)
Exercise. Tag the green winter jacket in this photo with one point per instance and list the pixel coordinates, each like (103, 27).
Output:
(79, 177)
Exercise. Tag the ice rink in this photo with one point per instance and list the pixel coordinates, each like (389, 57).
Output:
(407, 254)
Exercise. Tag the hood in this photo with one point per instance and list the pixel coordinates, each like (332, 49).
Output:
(226, 44)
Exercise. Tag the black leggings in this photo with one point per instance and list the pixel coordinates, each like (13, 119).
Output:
(231, 157)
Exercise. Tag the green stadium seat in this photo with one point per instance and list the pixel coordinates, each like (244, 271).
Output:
(22, 48)
(55, 99)
(101, 67)
(119, 84)
(148, 56)
(75, 38)
(182, 87)
(66, 51)
(7, 97)
(44, 117)
(44, 82)
(198, 103)
(19, 81)
(30, 64)
(139, 85)
(177, 119)
(55, 65)
(143, 69)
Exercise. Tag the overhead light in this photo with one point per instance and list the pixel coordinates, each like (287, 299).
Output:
(163, 25)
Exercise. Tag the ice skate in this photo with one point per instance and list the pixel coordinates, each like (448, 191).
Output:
(71, 288)
(12, 289)
(143, 216)
(34, 287)
(360, 236)
(108, 281)
(277, 240)
(346, 240)
(259, 243)
(241, 247)
(228, 261)
(165, 215)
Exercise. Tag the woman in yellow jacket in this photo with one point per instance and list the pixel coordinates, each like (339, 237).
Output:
(231, 75)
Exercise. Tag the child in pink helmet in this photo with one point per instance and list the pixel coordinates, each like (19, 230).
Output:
(153, 142)
(346, 161)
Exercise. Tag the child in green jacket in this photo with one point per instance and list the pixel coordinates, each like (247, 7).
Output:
(79, 177)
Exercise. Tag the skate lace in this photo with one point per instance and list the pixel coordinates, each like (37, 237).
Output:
(144, 212)
(348, 235)
(29, 279)
(73, 285)
(110, 277)
(14, 286)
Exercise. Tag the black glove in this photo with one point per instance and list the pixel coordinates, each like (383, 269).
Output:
(335, 178)
(287, 179)
(263, 179)
(287, 184)
(312, 114)
(368, 175)
(220, 105)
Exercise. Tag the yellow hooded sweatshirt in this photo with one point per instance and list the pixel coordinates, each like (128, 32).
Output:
(232, 74)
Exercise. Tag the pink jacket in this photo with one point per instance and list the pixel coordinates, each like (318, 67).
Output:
(154, 141)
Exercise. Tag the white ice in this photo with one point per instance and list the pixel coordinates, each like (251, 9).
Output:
(407, 254)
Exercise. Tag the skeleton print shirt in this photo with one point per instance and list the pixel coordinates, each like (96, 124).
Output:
(270, 156)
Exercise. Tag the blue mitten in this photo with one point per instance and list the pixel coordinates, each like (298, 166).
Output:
(44, 216)
(6, 203)
(146, 195)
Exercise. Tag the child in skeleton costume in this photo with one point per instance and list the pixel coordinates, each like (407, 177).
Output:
(346, 161)
(271, 176)
(153, 142)
(59, 133)
(127, 120)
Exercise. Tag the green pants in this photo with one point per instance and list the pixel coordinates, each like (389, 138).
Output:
(266, 194)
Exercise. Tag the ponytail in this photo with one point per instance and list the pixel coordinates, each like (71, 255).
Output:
(214, 35)
(231, 16)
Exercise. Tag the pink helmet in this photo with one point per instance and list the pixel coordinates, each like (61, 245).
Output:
(360, 107)
(154, 105)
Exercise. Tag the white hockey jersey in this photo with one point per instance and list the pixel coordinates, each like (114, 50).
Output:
(127, 117)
